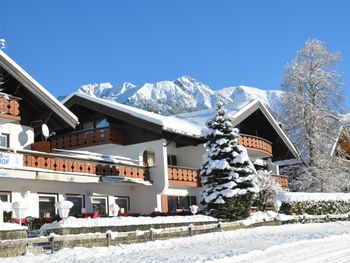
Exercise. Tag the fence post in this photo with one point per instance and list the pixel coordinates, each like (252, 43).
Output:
(151, 232)
(52, 242)
(108, 236)
(190, 226)
(220, 226)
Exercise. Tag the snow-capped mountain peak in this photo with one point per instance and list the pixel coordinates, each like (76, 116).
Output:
(185, 94)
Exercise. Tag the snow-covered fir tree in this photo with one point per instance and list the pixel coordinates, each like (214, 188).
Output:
(226, 173)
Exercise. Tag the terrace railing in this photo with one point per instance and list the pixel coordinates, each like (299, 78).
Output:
(256, 143)
(183, 176)
(62, 163)
(281, 180)
(87, 138)
(9, 107)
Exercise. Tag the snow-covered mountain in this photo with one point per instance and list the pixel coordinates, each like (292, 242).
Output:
(184, 94)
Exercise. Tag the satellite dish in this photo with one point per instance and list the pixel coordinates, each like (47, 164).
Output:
(45, 131)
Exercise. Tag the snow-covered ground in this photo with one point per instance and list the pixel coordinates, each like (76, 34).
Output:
(327, 242)
(10, 226)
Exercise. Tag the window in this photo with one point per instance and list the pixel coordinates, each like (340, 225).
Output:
(5, 196)
(78, 204)
(123, 202)
(47, 205)
(149, 158)
(101, 123)
(180, 202)
(4, 140)
(172, 160)
(88, 125)
(100, 205)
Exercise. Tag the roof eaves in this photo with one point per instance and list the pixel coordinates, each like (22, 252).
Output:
(39, 91)
(278, 129)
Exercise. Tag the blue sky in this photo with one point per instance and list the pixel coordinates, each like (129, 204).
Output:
(64, 44)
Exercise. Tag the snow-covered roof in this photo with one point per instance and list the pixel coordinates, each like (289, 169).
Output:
(193, 123)
(237, 113)
(168, 123)
(37, 90)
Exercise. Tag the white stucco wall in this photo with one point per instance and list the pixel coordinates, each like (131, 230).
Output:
(158, 173)
(190, 156)
(20, 136)
(142, 198)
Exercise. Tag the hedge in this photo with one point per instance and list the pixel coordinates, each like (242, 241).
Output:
(312, 203)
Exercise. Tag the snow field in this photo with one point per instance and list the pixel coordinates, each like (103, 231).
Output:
(291, 243)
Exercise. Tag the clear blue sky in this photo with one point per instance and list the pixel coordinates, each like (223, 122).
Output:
(67, 43)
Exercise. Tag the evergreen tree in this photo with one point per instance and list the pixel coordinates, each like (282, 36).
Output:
(226, 174)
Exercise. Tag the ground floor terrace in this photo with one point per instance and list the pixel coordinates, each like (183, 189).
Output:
(90, 199)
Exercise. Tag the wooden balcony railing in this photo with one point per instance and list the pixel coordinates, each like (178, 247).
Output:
(281, 180)
(123, 170)
(88, 138)
(256, 144)
(9, 107)
(181, 176)
(68, 164)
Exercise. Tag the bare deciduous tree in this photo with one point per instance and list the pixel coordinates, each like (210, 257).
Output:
(311, 108)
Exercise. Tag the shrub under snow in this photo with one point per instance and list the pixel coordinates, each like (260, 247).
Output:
(312, 203)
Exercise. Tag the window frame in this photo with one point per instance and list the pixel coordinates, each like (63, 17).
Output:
(6, 138)
(127, 201)
(100, 197)
(9, 195)
(82, 197)
(55, 195)
(146, 155)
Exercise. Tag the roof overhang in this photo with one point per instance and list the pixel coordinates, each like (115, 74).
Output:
(250, 108)
(108, 108)
(37, 90)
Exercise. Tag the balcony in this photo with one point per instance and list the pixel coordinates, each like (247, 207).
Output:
(61, 163)
(256, 144)
(9, 108)
(181, 176)
(87, 138)
(281, 180)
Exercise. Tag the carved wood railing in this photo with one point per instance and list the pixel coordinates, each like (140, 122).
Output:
(69, 164)
(181, 176)
(256, 143)
(87, 138)
(9, 107)
(281, 180)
